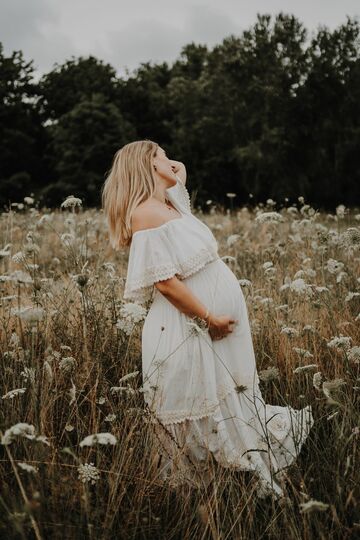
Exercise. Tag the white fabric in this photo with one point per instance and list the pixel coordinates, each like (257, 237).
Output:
(162, 252)
(205, 394)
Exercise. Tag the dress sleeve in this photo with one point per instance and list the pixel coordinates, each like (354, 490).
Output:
(152, 258)
(179, 196)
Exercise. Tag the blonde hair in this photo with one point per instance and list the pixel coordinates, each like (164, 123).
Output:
(129, 182)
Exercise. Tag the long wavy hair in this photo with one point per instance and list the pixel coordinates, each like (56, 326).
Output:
(129, 182)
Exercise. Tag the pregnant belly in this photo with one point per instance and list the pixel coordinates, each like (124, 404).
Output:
(217, 287)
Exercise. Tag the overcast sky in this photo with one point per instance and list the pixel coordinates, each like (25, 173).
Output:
(125, 33)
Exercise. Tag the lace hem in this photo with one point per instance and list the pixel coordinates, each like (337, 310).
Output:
(177, 417)
(141, 288)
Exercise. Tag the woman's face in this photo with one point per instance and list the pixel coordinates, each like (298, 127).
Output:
(163, 165)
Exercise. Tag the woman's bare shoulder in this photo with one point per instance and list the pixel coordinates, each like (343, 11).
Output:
(146, 215)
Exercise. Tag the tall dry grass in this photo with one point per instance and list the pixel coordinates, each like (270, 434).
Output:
(68, 342)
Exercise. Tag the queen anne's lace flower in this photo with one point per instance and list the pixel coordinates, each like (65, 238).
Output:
(354, 354)
(98, 438)
(269, 217)
(22, 429)
(87, 472)
(13, 393)
(71, 202)
(340, 342)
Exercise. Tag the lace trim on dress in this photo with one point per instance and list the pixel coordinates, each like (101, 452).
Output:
(179, 416)
(141, 289)
(183, 193)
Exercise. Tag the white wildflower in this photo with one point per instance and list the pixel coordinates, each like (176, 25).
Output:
(351, 236)
(18, 276)
(282, 307)
(72, 393)
(123, 389)
(5, 252)
(333, 266)
(87, 472)
(12, 393)
(245, 282)
(71, 202)
(341, 210)
(309, 328)
(266, 301)
(340, 276)
(98, 438)
(48, 371)
(353, 354)
(67, 238)
(269, 217)
(28, 374)
(19, 257)
(308, 367)
(133, 311)
(313, 506)
(304, 353)
(29, 200)
(28, 468)
(14, 340)
(129, 376)
(67, 364)
(318, 379)
(228, 258)
(289, 331)
(22, 429)
(29, 314)
(269, 374)
(299, 286)
(321, 289)
(340, 342)
(350, 295)
(232, 239)
(331, 386)
(110, 418)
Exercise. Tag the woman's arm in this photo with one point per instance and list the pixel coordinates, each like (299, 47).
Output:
(179, 169)
(176, 292)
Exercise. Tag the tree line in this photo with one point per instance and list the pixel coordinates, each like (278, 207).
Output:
(266, 114)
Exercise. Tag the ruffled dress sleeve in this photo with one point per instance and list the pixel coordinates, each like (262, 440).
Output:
(179, 196)
(179, 247)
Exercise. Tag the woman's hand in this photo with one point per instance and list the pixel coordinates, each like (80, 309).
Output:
(219, 327)
(176, 165)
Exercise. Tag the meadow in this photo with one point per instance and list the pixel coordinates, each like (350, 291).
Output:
(71, 369)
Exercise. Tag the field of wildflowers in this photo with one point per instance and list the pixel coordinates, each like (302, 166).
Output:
(77, 454)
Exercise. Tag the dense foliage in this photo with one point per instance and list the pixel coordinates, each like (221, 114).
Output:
(269, 113)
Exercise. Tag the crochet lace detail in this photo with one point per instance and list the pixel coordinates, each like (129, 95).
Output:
(183, 195)
(141, 289)
(179, 416)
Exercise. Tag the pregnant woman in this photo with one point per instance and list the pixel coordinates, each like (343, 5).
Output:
(198, 364)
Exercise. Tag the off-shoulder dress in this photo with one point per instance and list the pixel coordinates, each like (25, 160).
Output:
(204, 394)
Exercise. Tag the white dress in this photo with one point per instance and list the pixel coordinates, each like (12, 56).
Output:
(204, 395)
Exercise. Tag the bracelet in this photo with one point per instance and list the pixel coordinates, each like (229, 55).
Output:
(202, 322)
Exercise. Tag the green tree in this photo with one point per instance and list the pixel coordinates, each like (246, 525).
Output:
(84, 141)
(22, 135)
